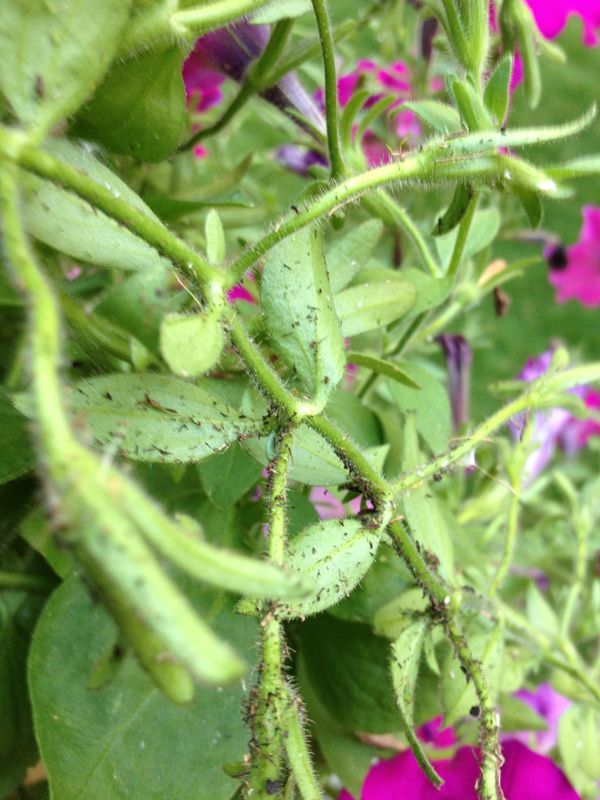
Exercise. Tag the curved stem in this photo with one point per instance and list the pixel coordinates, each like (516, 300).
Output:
(14, 147)
(463, 235)
(331, 102)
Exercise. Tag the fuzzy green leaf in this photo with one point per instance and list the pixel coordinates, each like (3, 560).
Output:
(373, 305)
(439, 116)
(68, 224)
(299, 313)
(349, 254)
(158, 418)
(191, 344)
(335, 554)
(125, 737)
(54, 54)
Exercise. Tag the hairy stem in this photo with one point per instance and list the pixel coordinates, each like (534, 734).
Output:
(331, 102)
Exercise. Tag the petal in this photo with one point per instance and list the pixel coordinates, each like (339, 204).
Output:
(526, 774)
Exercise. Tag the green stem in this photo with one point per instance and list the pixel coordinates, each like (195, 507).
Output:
(478, 437)
(26, 582)
(489, 732)
(463, 235)
(514, 510)
(14, 147)
(582, 530)
(44, 326)
(298, 752)
(336, 158)
(268, 744)
(388, 209)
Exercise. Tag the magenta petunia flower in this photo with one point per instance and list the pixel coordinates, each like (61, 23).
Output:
(228, 52)
(557, 427)
(524, 775)
(575, 270)
(550, 705)
(328, 506)
(551, 16)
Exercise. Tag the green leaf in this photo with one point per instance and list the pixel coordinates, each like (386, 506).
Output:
(348, 668)
(158, 418)
(431, 292)
(442, 117)
(518, 716)
(346, 756)
(191, 344)
(539, 612)
(421, 507)
(496, 94)
(335, 554)
(531, 203)
(452, 216)
(373, 305)
(470, 106)
(139, 303)
(313, 460)
(430, 403)
(18, 750)
(139, 109)
(126, 737)
(483, 231)
(398, 614)
(382, 367)
(280, 9)
(299, 315)
(228, 476)
(16, 455)
(349, 254)
(68, 224)
(215, 237)
(406, 657)
(579, 745)
(54, 54)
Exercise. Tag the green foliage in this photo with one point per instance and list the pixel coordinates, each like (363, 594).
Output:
(161, 444)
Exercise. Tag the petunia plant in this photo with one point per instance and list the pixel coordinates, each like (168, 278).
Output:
(259, 537)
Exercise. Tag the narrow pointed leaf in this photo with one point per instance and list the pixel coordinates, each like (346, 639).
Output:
(496, 94)
(405, 660)
(382, 367)
(441, 117)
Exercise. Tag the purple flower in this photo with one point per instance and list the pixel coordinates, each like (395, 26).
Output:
(524, 775)
(557, 427)
(458, 363)
(550, 705)
(229, 52)
(575, 270)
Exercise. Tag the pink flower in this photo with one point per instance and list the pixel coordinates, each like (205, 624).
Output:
(551, 17)
(524, 774)
(557, 427)
(328, 506)
(550, 705)
(458, 364)
(575, 270)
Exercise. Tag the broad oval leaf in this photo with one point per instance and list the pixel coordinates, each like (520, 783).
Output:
(139, 109)
(150, 417)
(299, 315)
(54, 54)
(69, 224)
(373, 305)
(348, 255)
(431, 292)
(335, 554)
(483, 231)
(125, 737)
